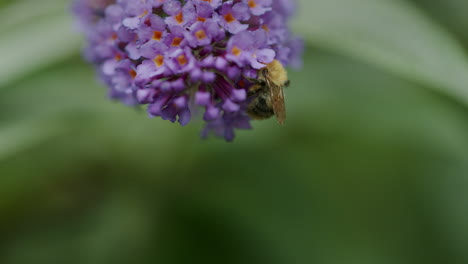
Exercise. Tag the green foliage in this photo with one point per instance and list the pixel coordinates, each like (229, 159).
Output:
(370, 167)
(393, 35)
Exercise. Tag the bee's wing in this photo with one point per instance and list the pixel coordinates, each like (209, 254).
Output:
(277, 101)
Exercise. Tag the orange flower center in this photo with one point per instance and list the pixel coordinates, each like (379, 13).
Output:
(252, 4)
(144, 13)
(229, 18)
(179, 18)
(157, 35)
(182, 60)
(201, 19)
(132, 73)
(118, 57)
(200, 34)
(265, 28)
(176, 41)
(159, 60)
(236, 51)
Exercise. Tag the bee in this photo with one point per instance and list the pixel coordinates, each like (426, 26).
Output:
(268, 94)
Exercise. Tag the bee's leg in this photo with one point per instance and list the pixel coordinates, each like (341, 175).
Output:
(254, 81)
(254, 89)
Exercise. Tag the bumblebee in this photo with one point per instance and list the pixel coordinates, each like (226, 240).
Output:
(267, 92)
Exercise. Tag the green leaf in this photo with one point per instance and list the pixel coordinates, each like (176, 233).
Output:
(393, 35)
(36, 44)
(450, 13)
(24, 12)
(18, 136)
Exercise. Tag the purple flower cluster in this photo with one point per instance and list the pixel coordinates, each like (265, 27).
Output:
(178, 56)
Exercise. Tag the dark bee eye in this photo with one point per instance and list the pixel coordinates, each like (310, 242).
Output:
(287, 83)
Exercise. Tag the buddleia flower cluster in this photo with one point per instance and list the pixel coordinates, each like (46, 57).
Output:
(181, 58)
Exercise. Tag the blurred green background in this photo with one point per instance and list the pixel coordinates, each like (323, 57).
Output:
(371, 166)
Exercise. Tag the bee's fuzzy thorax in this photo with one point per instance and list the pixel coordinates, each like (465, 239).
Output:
(277, 73)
